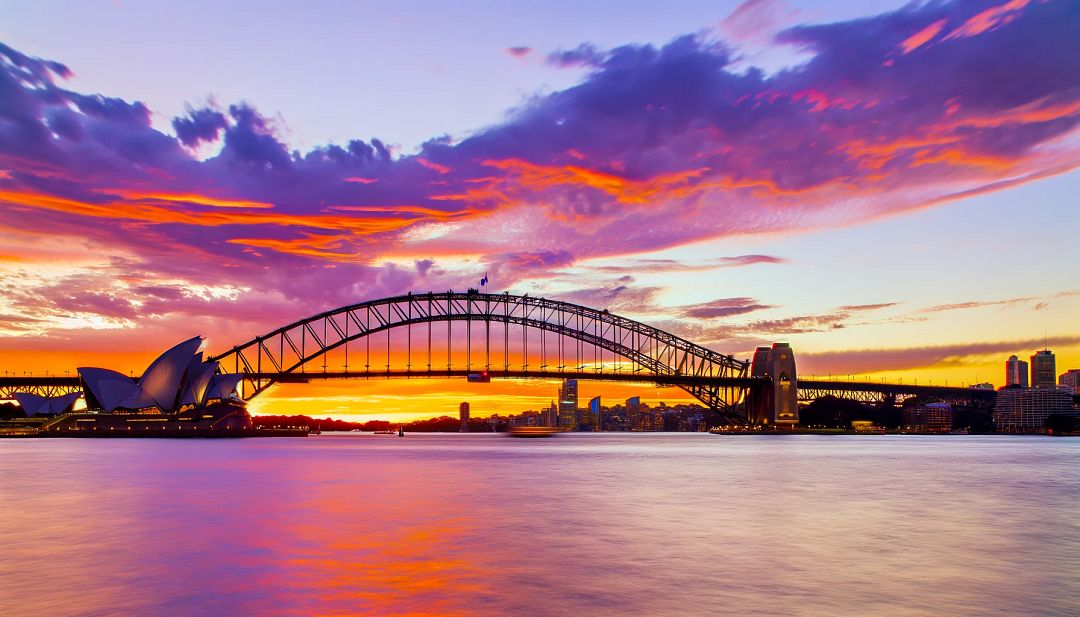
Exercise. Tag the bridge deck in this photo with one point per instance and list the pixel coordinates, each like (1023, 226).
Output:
(9, 384)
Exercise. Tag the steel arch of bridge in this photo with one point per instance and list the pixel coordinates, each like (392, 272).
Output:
(654, 355)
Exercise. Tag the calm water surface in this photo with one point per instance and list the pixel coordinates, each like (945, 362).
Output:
(602, 524)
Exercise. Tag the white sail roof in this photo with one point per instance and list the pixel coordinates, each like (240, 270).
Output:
(109, 389)
(34, 404)
(177, 377)
(161, 380)
(222, 386)
(196, 382)
(31, 403)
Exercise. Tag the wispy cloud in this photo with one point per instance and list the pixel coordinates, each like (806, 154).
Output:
(520, 52)
(635, 266)
(851, 361)
(725, 307)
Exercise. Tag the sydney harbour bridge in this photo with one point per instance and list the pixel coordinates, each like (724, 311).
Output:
(481, 336)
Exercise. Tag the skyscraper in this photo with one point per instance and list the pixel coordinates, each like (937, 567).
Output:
(463, 413)
(569, 416)
(633, 413)
(551, 415)
(592, 418)
(1043, 369)
(1016, 372)
(1071, 379)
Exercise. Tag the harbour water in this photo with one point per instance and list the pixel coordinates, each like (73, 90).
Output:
(582, 524)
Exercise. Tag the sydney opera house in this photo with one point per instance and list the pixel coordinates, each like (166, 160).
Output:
(177, 379)
(178, 394)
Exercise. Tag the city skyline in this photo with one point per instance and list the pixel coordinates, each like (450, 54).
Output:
(726, 172)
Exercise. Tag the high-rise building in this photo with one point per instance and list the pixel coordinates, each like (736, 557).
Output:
(569, 416)
(1024, 410)
(463, 413)
(1016, 372)
(591, 420)
(1071, 379)
(1043, 369)
(633, 413)
(551, 415)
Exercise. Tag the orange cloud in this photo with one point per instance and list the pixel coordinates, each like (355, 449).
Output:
(437, 168)
(154, 214)
(624, 190)
(959, 157)
(988, 19)
(922, 37)
(433, 213)
(822, 101)
(193, 198)
(1030, 113)
(321, 246)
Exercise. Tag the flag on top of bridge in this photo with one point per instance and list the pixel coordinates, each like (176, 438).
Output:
(484, 281)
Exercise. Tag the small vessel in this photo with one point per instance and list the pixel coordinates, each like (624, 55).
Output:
(533, 431)
(401, 430)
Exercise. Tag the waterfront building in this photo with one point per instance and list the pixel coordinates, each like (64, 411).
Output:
(176, 379)
(1043, 369)
(591, 419)
(633, 413)
(178, 394)
(653, 420)
(33, 404)
(927, 418)
(1071, 379)
(1024, 410)
(569, 415)
(463, 415)
(1016, 372)
(550, 415)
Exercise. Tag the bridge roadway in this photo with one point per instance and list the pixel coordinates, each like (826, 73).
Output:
(808, 389)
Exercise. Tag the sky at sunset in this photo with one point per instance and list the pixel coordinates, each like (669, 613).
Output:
(890, 187)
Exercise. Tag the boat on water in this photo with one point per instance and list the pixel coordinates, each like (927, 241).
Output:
(401, 431)
(533, 431)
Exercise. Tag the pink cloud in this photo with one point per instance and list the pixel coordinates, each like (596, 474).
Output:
(922, 37)
(989, 19)
(851, 361)
(757, 20)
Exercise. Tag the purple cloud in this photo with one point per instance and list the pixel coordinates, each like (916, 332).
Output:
(200, 125)
(671, 265)
(584, 55)
(853, 361)
(726, 307)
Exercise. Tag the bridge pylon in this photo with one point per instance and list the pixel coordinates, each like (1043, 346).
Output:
(777, 404)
